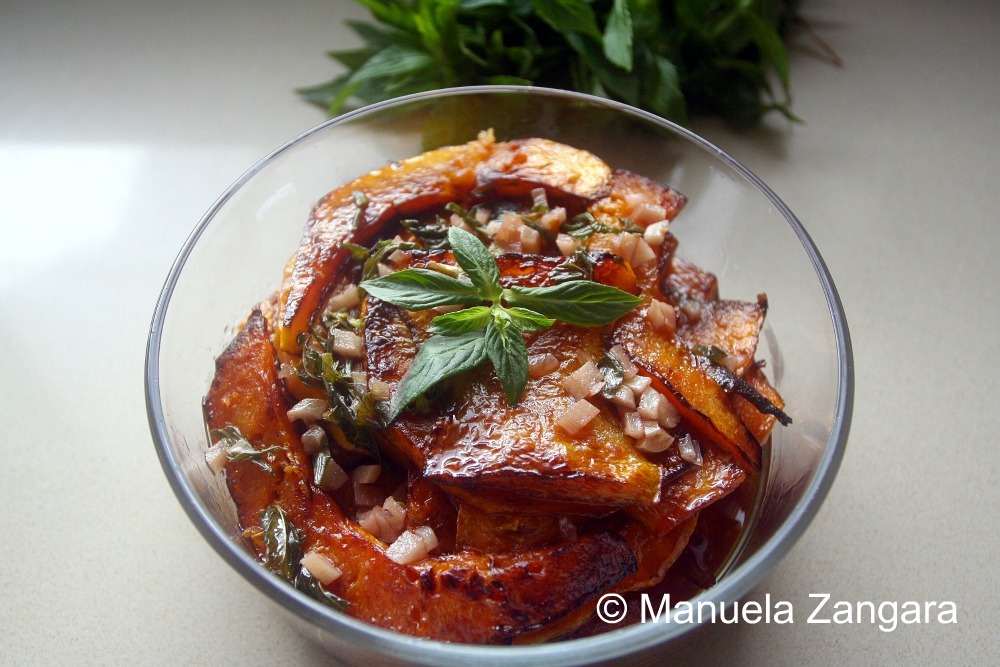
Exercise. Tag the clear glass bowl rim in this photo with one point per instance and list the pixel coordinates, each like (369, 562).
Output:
(617, 644)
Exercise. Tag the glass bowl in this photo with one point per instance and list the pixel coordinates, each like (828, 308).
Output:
(733, 225)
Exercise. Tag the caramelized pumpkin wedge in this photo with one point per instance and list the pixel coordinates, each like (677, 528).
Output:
(245, 393)
(627, 190)
(482, 443)
(357, 211)
(703, 405)
(695, 489)
(732, 326)
(655, 553)
(503, 532)
(464, 596)
(570, 176)
(759, 423)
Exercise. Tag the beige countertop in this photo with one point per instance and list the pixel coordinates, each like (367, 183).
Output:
(120, 123)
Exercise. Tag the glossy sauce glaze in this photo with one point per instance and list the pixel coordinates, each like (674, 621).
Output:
(716, 540)
(531, 521)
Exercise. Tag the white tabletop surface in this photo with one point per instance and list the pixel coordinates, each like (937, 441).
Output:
(121, 122)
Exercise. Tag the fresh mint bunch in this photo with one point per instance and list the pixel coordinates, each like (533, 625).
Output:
(675, 59)
(492, 324)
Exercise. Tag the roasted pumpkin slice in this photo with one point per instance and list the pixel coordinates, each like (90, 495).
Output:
(570, 176)
(732, 326)
(245, 393)
(513, 502)
(483, 443)
(489, 444)
(701, 402)
(688, 279)
(759, 423)
(357, 211)
(503, 532)
(464, 596)
(628, 190)
(655, 553)
(696, 488)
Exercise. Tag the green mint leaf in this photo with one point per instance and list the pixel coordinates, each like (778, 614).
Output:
(440, 358)
(282, 543)
(618, 36)
(420, 289)
(769, 42)
(614, 374)
(568, 16)
(238, 449)
(584, 226)
(378, 254)
(282, 553)
(477, 262)
(509, 355)
(579, 267)
(716, 57)
(361, 201)
(461, 322)
(432, 233)
(528, 320)
(579, 302)
(358, 252)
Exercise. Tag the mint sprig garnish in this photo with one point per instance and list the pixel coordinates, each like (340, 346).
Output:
(491, 327)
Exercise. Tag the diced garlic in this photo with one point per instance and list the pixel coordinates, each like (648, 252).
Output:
(309, 409)
(691, 309)
(426, 533)
(650, 427)
(313, 439)
(625, 245)
(668, 417)
(396, 512)
(320, 567)
(690, 450)
(379, 390)
(538, 198)
(216, 457)
(624, 397)
(629, 369)
(656, 233)
(567, 244)
(658, 442)
(553, 220)
(650, 404)
(531, 240)
(585, 381)
(540, 365)
(349, 297)
(646, 214)
(327, 473)
(642, 253)
(662, 316)
(633, 426)
(412, 545)
(639, 384)
(347, 343)
(577, 417)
